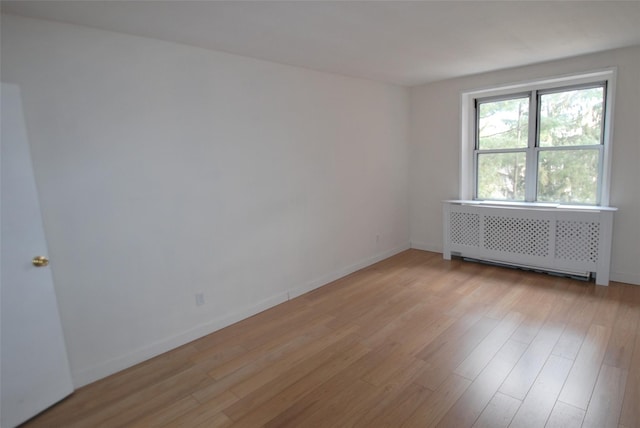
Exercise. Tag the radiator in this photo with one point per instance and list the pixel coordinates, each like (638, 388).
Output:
(573, 240)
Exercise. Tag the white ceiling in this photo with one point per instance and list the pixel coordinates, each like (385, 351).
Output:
(401, 42)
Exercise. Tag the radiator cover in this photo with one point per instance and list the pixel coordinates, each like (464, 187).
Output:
(560, 238)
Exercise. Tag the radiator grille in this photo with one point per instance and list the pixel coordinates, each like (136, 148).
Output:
(568, 240)
(465, 228)
(517, 235)
(577, 240)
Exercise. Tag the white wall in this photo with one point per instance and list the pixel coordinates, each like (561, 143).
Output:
(435, 150)
(166, 170)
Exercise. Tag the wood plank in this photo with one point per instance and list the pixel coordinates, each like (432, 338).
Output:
(397, 410)
(538, 404)
(320, 349)
(622, 339)
(353, 404)
(471, 404)
(415, 319)
(255, 365)
(351, 289)
(388, 391)
(166, 414)
(579, 385)
(380, 315)
(442, 361)
(359, 305)
(630, 413)
(609, 304)
(400, 358)
(525, 372)
(335, 410)
(581, 315)
(207, 412)
(498, 413)
(409, 345)
(103, 393)
(268, 407)
(253, 331)
(256, 393)
(485, 351)
(536, 311)
(504, 304)
(436, 405)
(216, 356)
(148, 400)
(478, 295)
(310, 402)
(289, 342)
(563, 301)
(606, 401)
(453, 333)
(220, 420)
(565, 416)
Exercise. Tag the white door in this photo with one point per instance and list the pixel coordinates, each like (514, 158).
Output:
(34, 368)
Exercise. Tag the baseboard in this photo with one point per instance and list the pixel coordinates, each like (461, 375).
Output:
(92, 374)
(325, 279)
(426, 247)
(626, 277)
(86, 376)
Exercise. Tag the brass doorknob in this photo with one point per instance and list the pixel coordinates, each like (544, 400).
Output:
(40, 261)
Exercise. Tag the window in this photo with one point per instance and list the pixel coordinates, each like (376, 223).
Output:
(545, 142)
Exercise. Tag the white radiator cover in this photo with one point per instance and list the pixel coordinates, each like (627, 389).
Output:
(559, 238)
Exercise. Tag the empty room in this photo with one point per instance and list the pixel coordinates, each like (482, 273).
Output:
(320, 214)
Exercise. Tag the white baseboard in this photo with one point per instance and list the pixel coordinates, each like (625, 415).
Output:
(426, 247)
(325, 279)
(86, 376)
(626, 277)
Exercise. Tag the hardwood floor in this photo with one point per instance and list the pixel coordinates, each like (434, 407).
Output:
(413, 341)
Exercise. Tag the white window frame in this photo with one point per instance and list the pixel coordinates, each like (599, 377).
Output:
(468, 127)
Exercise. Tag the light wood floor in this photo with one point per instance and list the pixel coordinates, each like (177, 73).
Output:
(412, 341)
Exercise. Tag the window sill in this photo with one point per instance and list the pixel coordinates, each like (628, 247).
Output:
(531, 205)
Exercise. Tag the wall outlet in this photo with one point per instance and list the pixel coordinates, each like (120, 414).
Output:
(199, 299)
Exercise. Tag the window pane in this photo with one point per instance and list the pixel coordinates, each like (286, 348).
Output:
(503, 124)
(501, 176)
(571, 118)
(568, 176)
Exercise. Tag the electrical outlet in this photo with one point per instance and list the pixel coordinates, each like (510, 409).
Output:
(199, 299)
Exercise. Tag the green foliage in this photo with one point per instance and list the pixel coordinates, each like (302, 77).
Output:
(503, 124)
(501, 176)
(571, 118)
(568, 176)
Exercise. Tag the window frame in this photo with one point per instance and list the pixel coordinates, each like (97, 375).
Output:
(477, 151)
(534, 89)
